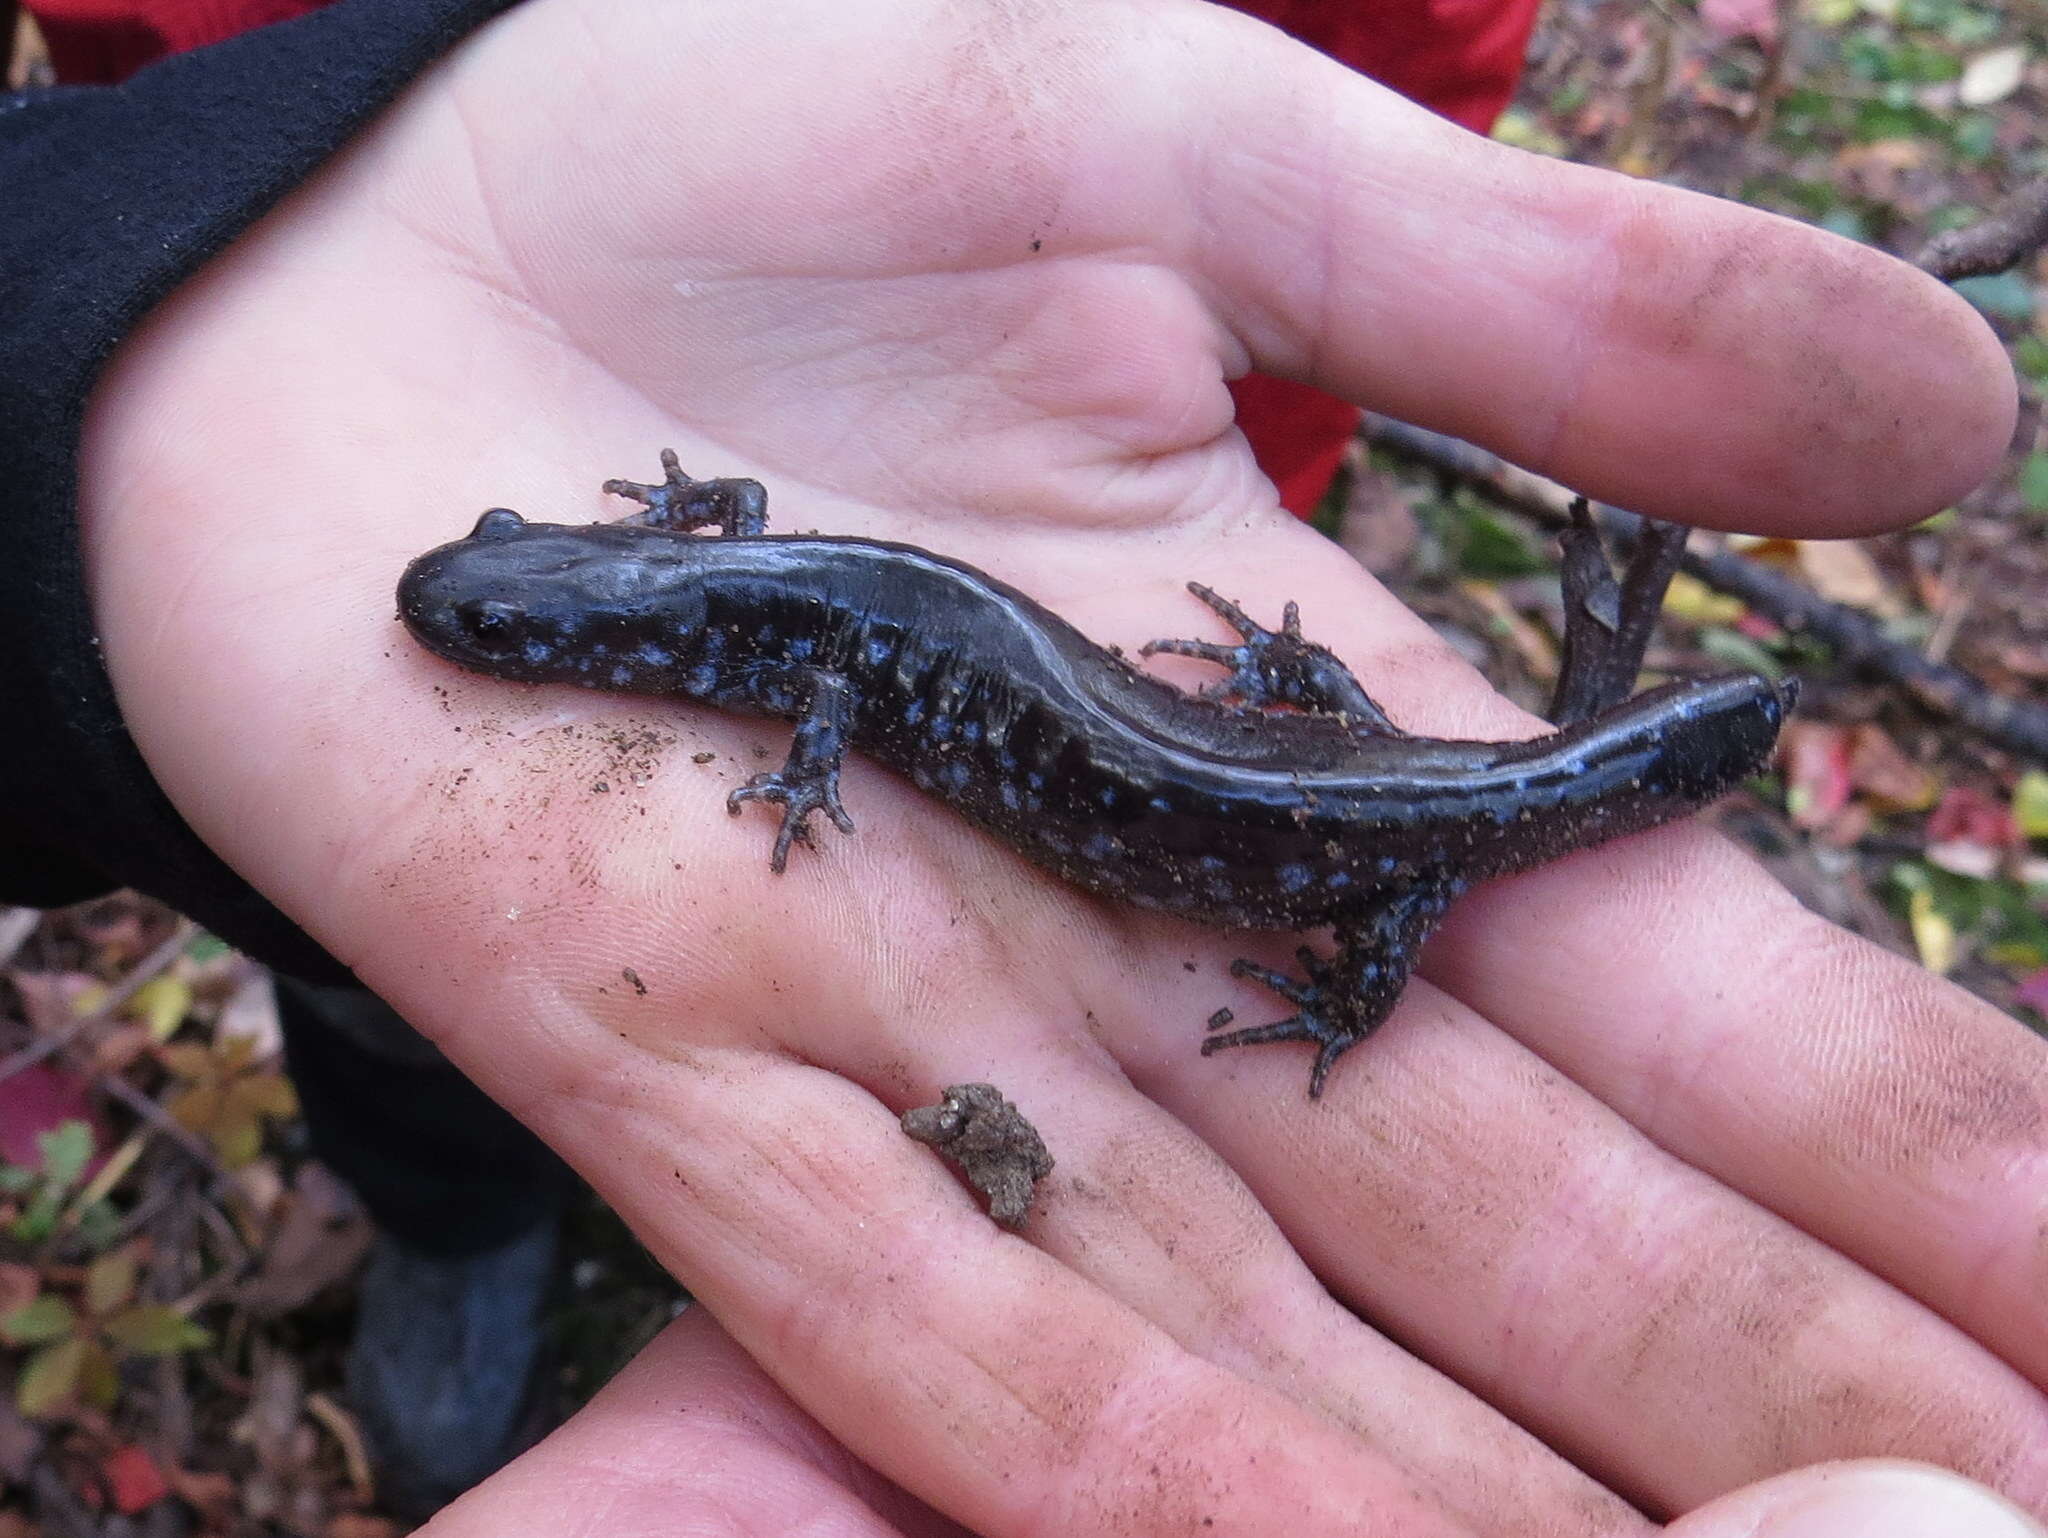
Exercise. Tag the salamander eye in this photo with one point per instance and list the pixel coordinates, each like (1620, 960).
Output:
(487, 621)
(500, 523)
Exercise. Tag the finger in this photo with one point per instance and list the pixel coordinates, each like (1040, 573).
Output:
(1670, 1336)
(1874, 1105)
(1858, 1500)
(690, 1436)
(848, 1265)
(1601, 992)
(1676, 354)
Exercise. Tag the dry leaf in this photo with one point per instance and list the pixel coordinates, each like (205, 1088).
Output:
(1993, 76)
(1880, 769)
(1842, 571)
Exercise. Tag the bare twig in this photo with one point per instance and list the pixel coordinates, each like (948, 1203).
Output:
(2011, 232)
(1856, 639)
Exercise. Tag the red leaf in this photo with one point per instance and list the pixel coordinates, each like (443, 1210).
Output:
(134, 1480)
(1816, 760)
(1727, 19)
(39, 1099)
(1967, 815)
(2033, 992)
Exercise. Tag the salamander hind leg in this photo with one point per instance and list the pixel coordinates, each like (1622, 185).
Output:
(1609, 618)
(1345, 999)
(735, 504)
(1277, 670)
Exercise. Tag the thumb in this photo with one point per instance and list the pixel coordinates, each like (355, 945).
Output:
(1867, 1499)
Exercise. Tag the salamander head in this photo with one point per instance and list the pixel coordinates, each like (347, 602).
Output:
(598, 605)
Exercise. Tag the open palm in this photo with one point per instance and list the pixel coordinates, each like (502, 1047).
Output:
(1657, 1187)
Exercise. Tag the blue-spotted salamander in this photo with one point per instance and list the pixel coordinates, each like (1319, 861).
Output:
(1280, 798)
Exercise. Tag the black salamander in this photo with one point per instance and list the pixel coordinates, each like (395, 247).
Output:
(1280, 798)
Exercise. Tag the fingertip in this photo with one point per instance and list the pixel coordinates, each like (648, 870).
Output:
(1759, 374)
(1874, 1499)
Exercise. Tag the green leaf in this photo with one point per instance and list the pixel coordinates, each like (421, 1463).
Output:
(154, 1329)
(206, 947)
(1485, 546)
(1974, 136)
(43, 1318)
(49, 1376)
(2030, 356)
(66, 1150)
(1846, 222)
(2034, 481)
(2006, 295)
(1738, 650)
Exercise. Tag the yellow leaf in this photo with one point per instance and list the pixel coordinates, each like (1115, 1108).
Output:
(237, 1140)
(188, 1060)
(265, 1094)
(162, 1004)
(1841, 570)
(110, 1280)
(1690, 599)
(197, 1108)
(154, 1329)
(2030, 804)
(49, 1376)
(1934, 937)
(1518, 128)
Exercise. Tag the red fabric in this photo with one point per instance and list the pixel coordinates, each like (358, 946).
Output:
(1459, 57)
(103, 42)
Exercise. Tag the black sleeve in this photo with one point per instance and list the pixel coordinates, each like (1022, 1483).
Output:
(110, 197)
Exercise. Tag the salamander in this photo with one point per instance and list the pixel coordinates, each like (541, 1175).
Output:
(1281, 797)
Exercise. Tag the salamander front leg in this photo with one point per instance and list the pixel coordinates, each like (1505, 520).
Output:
(808, 780)
(735, 504)
(1345, 999)
(1278, 669)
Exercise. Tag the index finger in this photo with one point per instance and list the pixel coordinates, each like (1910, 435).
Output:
(1686, 357)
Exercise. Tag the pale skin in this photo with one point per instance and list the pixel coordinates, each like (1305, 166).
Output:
(1653, 1189)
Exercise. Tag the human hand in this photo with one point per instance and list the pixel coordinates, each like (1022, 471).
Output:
(1661, 1173)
